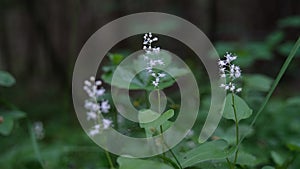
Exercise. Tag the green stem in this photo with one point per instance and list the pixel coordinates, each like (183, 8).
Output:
(109, 160)
(35, 145)
(177, 161)
(175, 165)
(229, 163)
(162, 137)
(237, 133)
(161, 129)
(275, 83)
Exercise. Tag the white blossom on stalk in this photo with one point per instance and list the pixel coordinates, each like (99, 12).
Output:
(94, 108)
(228, 70)
(152, 61)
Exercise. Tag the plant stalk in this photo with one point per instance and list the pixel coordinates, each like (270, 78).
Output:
(109, 160)
(237, 133)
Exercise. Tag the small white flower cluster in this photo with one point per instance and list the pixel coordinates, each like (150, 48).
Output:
(152, 61)
(94, 90)
(227, 69)
(38, 129)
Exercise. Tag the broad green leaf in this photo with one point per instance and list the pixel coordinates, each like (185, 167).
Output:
(294, 146)
(212, 165)
(291, 21)
(258, 82)
(122, 79)
(147, 116)
(154, 121)
(8, 120)
(14, 114)
(245, 158)
(278, 158)
(159, 120)
(268, 167)
(115, 58)
(213, 150)
(130, 163)
(6, 126)
(242, 109)
(229, 134)
(285, 48)
(6, 79)
(274, 38)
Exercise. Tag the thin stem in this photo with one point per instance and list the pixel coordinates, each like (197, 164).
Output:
(35, 145)
(229, 163)
(175, 165)
(237, 133)
(275, 83)
(162, 137)
(161, 129)
(177, 161)
(109, 160)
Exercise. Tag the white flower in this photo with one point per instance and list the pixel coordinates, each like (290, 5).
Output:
(91, 115)
(94, 132)
(105, 106)
(106, 123)
(38, 129)
(161, 74)
(94, 90)
(227, 69)
(239, 90)
(150, 57)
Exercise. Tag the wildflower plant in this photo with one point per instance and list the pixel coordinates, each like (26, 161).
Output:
(96, 108)
(222, 151)
(151, 59)
(230, 71)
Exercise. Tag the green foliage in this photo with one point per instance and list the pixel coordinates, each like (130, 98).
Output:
(7, 111)
(142, 79)
(6, 79)
(151, 121)
(242, 109)
(130, 163)
(213, 150)
(8, 120)
(291, 21)
(264, 82)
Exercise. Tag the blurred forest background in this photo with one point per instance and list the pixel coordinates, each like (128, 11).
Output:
(40, 41)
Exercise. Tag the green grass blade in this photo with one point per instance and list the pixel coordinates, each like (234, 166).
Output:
(275, 83)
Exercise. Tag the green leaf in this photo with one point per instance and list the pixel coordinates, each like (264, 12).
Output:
(147, 116)
(122, 79)
(6, 126)
(212, 165)
(6, 79)
(115, 58)
(286, 47)
(278, 158)
(151, 121)
(229, 134)
(245, 158)
(268, 167)
(294, 146)
(8, 120)
(242, 109)
(130, 163)
(213, 150)
(291, 21)
(258, 82)
(274, 38)
(159, 119)
(14, 114)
